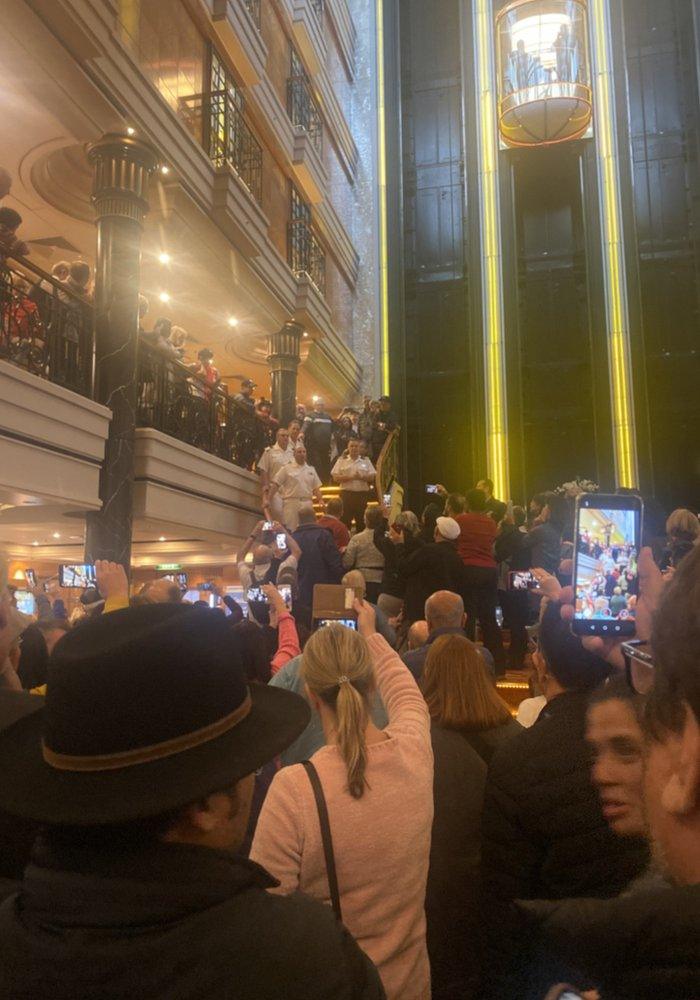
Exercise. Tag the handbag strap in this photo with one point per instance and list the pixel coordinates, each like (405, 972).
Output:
(326, 838)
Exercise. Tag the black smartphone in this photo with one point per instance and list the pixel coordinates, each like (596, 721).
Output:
(522, 580)
(387, 499)
(30, 577)
(182, 581)
(258, 595)
(281, 540)
(268, 526)
(431, 489)
(608, 538)
(80, 575)
(346, 622)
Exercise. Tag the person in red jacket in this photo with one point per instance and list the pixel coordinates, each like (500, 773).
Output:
(480, 581)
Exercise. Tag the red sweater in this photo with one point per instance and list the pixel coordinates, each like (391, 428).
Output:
(341, 535)
(475, 543)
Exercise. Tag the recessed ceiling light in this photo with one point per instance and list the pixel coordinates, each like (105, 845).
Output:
(305, 334)
(232, 321)
(56, 534)
(162, 538)
(164, 257)
(35, 543)
(131, 131)
(164, 297)
(164, 169)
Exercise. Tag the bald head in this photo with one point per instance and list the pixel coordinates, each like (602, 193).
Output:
(444, 610)
(417, 635)
(307, 514)
(262, 555)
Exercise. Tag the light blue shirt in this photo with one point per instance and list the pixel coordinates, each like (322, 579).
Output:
(312, 739)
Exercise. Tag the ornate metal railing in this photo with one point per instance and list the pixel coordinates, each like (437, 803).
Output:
(302, 110)
(45, 328)
(219, 124)
(254, 11)
(305, 254)
(181, 404)
(388, 464)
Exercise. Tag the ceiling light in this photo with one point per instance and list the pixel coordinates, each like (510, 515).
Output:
(164, 169)
(131, 131)
(162, 538)
(164, 257)
(164, 297)
(35, 543)
(305, 334)
(232, 321)
(56, 534)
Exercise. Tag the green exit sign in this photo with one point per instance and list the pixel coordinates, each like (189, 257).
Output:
(165, 567)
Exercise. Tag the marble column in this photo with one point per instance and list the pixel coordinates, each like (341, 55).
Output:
(284, 355)
(122, 167)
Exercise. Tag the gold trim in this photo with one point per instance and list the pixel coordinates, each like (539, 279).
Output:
(144, 755)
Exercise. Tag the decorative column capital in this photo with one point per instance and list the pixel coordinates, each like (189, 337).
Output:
(122, 167)
(284, 347)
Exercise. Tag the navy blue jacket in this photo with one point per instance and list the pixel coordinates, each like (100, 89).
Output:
(320, 561)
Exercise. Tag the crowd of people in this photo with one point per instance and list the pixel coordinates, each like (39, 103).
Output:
(196, 803)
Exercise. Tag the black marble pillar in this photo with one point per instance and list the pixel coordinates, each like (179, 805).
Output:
(284, 354)
(122, 168)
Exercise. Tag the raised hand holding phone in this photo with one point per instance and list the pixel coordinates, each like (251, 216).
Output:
(366, 618)
(112, 581)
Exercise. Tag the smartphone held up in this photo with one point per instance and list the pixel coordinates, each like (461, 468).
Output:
(608, 538)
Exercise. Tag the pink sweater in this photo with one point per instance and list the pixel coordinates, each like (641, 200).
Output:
(381, 841)
(287, 643)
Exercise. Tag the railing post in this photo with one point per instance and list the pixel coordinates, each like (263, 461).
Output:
(122, 168)
(284, 355)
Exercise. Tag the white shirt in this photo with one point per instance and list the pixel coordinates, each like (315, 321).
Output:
(297, 482)
(354, 467)
(275, 458)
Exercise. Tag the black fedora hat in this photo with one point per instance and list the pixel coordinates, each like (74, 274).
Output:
(147, 709)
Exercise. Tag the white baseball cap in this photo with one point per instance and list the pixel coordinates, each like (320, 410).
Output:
(448, 528)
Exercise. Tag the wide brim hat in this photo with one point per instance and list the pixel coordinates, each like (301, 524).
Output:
(147, 710)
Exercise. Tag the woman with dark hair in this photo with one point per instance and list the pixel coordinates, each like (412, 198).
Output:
(393, 585)
(614, 734)
(428, 520)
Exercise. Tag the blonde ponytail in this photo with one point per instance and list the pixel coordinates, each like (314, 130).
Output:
(337, 667)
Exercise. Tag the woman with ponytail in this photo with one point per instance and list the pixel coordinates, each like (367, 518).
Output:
(378, 789)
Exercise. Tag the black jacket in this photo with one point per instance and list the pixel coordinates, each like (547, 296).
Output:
(432, 567)
(171, 922)
(544, 833)
(643, 946)
(392, 581)
(320, 560)
(452, 898)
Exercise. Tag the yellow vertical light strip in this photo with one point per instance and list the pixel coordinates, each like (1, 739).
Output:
(491, 255)
(619, 352)
(383, 223)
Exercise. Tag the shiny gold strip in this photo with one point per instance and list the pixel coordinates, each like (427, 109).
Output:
(144, 755)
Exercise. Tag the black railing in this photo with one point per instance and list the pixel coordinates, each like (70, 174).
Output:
(305, 254)
(45, 328)
(185, 406)
(254, 11)
(302, 109)
(228, 140)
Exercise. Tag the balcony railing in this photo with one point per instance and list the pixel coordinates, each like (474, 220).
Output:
(305, 254)
(45, 328)
(186, 407)
(253, 7)
(302, 109)
(225, 135)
